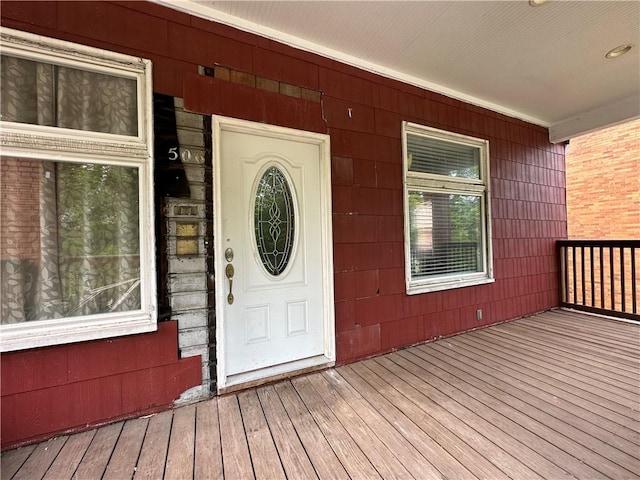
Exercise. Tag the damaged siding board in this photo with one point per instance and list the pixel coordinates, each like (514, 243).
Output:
(187, 282)
(187, 272)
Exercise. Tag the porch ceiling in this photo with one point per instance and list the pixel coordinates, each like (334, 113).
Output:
(542, 64)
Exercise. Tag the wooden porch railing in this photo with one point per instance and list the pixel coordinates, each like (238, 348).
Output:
(600, 276)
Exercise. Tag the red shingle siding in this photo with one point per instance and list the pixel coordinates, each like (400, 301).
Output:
(373, 313)
(72, 387)
(603, 183)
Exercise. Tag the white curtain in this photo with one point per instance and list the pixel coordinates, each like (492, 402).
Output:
(70, 230)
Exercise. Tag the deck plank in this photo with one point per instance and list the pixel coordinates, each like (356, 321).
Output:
(346, 449)
(560, 323)
(558, 413)
(40, 460)
(458, 437)
(548, 393)
(507, 434)
(122, 463)
(566, 359)
(208, 452)
(585, 325)
(408, 455)
(12, 460)
(599, 320)
(620, 349)
(380, 454)
(294, 458)
(460, 463)
(559, 337)
(476, 438)
(235, 449)
(546, 380)
(264, 455)
(324, 460)
(568, 375)
(563, 451)
(95, 460)
(181, 443)
(153, 455)
(566, 347)
(67, 461)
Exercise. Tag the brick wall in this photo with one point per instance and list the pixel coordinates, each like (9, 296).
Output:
(603, 183)
(603, 202)
(20, 193)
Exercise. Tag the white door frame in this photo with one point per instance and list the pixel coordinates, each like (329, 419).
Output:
(226, 124)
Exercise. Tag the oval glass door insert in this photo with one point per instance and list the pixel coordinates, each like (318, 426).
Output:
(274, 221)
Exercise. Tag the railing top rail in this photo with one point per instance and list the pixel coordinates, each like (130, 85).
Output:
(600, 243)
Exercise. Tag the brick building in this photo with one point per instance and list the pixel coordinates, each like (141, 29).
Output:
(603, 203)
(603, 183)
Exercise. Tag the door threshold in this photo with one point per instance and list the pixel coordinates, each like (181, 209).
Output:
(243, 381)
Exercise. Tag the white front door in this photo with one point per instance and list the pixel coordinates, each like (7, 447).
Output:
(274, 274)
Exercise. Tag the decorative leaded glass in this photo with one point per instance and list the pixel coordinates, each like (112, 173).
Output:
(274, 221)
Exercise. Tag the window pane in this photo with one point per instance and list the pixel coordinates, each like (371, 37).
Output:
(437, 157)
(70, 239)
(446, 234)
(46, 94)
(274, 221)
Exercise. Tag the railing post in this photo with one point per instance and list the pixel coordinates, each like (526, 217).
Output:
(634, 298)
(612, 274)
(593, 283)
(622, 274)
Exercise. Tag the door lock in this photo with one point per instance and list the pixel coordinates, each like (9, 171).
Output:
(229, 271)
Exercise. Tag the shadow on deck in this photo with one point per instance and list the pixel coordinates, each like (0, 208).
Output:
(551, 396)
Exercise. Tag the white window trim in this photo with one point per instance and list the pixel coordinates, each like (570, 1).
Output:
(60, 144)
(413, 181)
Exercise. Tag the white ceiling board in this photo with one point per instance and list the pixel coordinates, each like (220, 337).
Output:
(611, 114)
(545, 64)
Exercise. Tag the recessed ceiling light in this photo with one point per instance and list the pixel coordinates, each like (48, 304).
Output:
(537, 3)
(621, 50)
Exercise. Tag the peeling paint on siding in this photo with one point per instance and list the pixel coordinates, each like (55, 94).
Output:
(187, 275)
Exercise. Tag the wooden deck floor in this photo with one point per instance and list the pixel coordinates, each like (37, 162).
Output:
(552, 396)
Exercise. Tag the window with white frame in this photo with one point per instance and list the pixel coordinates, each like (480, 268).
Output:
(77, 257)
(447, 210)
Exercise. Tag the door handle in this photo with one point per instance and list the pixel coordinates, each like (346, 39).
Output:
(229, 271)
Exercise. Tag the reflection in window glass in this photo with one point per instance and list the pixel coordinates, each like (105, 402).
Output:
(446, 234)
(70, 239)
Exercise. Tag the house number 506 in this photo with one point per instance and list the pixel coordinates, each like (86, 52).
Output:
(185, 155)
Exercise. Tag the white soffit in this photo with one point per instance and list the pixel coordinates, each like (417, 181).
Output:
(545, 64)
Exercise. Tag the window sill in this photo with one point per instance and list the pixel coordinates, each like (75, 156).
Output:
(449, 284)
(22, 336)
